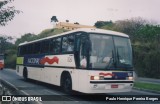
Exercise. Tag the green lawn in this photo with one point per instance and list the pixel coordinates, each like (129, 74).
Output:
(149, 86)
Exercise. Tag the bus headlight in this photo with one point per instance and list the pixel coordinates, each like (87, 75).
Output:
(129, 78)
(94, 77)
(97, 78)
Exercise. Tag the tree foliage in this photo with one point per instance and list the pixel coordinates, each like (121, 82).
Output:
(7, 13)
(54, 19)
(5, 44)
(8, 48)
(25, 38)
(100, 24)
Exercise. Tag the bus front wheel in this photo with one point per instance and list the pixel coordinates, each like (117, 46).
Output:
(67, 84)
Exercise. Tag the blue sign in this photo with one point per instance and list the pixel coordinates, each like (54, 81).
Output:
(33, 60)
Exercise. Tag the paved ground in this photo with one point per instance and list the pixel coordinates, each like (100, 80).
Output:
(37, 88)
(149, 80)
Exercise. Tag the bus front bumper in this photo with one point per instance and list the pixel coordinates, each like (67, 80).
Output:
(110, 86)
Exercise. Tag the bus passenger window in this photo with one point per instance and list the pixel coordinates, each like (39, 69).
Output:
(57, 46)
(64, 44)
(68, 43)
(37, 48)
(52, 45)
(45, 46)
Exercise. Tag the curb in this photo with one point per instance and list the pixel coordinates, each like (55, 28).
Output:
(151, 91)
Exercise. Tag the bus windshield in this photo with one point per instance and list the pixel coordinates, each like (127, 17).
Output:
(110, 52)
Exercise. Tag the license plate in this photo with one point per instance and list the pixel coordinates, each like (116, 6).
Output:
(114, 86)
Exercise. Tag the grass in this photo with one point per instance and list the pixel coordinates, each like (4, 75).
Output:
(149, 86)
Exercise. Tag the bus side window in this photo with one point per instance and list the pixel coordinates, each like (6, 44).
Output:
(37, 48)
(52, 46)
(29, 49)
(68, 43)
(57, 46)
(64, 44)
(24, 50)
(45, 46)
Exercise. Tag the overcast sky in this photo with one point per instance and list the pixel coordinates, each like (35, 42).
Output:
(37, 13)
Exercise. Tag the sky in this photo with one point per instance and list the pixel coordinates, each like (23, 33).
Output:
(36, 14)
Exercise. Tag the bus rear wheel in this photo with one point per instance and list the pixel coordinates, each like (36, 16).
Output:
(25, 74)
(67, 84)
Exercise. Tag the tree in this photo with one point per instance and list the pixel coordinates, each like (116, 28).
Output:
(8, 48)
(67, 21)
(5, 43)
(7, 13)
(100, 24)
(130, 27)
(26, 37)
(54, 19)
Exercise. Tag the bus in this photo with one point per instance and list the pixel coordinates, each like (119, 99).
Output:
(83, 60)
(1, 61)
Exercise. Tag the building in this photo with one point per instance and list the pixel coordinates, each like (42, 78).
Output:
(71, 26)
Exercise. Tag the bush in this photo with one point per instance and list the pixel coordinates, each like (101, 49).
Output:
(147, 61)
(10, 61)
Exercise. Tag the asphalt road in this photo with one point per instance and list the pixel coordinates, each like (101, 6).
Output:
(32, 87)
(149, 80)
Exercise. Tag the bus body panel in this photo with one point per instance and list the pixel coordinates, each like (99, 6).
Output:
(80, 78)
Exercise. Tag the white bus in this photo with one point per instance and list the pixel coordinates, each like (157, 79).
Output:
(84, 60)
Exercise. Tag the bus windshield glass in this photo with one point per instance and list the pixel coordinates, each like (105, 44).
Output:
(110, 52)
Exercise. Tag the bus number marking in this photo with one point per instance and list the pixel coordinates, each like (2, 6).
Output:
(69, 59)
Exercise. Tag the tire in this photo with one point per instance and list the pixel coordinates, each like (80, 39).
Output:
(67, 84)
(25, 74)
